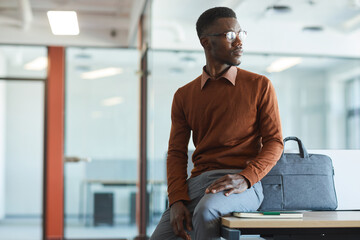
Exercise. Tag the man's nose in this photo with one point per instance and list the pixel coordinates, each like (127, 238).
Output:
(237, 40)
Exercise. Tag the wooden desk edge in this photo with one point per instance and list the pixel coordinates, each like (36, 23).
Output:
(351, 222)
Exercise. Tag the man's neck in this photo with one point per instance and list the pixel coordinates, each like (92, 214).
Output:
(216, 71)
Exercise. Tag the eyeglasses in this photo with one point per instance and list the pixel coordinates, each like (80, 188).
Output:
(231, 35)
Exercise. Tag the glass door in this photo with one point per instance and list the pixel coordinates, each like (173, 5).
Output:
(101, 142)
(22, 91)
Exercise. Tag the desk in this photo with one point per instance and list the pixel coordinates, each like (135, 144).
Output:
(314, 225)
(86, 196)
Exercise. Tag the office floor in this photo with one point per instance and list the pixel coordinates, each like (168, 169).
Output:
(31, 229)
(20, 229)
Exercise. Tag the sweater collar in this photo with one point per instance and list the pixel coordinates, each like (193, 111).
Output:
(230, 75)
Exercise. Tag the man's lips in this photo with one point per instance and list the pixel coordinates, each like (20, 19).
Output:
(238, 51)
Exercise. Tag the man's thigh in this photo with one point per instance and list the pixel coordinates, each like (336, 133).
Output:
(250, 200)
(219, 204)
(164, 230)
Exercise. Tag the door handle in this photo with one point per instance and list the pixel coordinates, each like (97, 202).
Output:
(76, 159)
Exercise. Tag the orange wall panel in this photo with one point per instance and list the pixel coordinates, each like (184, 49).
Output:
(54, 166)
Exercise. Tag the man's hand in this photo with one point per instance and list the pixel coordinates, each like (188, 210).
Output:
(179, 213)
(231, 183)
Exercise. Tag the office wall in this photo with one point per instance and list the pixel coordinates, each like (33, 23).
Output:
(302, 103)
(336, 102)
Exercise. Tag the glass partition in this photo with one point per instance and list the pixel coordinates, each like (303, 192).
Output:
(23, 61)
(101, 142)
(21, 143)
(169, 70)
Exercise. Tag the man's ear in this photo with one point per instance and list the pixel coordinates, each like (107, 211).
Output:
(205, 43)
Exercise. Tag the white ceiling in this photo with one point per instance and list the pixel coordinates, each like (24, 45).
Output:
(102, 23)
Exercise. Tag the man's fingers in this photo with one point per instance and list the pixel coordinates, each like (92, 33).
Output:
(180, 227)
(232, 183)
(181, 231)
(185, 235)
(215, 184)
(231, 191)
(220, 187)
(219, 180)
(216, 188)
(175, 228)
(178, 215)
(188, 221)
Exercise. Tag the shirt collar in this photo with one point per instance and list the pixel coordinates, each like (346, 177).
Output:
(230, 75)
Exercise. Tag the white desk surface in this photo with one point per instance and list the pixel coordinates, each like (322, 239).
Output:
(323, 219)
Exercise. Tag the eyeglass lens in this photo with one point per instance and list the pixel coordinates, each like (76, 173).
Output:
(231, 36)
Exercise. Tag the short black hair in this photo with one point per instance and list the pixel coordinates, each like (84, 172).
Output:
(210, 15)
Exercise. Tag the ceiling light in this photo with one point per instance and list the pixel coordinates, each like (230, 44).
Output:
(37, 64)
(313, 29)
(82, 68)
(283, 63)
(352, 22)
(63, 22)
(112, 101)
(279, 8)
(188, 59)
(176, 70)
(106, 72)
(82, 56)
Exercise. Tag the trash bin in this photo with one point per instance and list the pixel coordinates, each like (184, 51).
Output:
(103, 209)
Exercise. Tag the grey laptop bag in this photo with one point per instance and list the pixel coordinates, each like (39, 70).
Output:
(300, 181)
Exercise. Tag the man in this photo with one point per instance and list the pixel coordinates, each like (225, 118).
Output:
(234, 117)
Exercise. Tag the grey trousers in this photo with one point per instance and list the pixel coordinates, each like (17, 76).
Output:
(206, 209)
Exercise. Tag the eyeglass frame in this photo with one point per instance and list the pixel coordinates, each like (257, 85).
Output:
(226, 33)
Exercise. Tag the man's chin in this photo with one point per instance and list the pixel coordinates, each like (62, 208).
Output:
(234, 63)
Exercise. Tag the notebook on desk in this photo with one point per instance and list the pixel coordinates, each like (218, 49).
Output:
(275, 215)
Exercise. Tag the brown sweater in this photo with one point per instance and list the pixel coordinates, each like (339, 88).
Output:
(235, 124)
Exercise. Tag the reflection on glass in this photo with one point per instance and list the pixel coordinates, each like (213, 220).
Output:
(353, 113)
(23, 62)
(311, 95)
(21, 159)
(101, 142)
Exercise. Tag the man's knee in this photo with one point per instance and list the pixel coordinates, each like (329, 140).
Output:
(163, 230)
(206, 210)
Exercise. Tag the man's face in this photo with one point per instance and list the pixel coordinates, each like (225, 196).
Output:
(220, 50)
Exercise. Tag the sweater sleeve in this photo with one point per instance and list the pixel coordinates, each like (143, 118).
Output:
(270, 131)
(177, 158)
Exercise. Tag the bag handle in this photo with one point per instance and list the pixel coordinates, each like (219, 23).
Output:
(302, 149)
